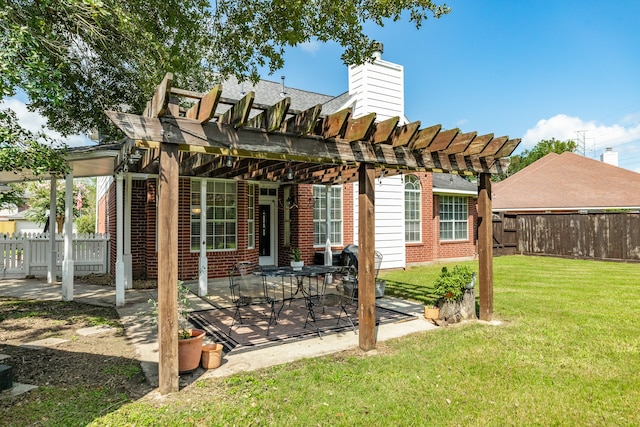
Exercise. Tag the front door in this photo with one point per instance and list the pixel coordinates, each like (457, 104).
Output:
(268, 234)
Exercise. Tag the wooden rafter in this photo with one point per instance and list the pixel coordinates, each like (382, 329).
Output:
(326, 150)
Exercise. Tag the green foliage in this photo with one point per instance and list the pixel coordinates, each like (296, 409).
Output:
(76, 58)
(296, 255)
(11, 198)
(542, 148)
(39, 202)
(184, 307)
(22, 149)
(450, 285)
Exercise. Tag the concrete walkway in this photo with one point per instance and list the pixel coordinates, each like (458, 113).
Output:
(143, 334)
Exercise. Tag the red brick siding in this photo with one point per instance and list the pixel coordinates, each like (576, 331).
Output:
(424, 251)
(456, 249)
(219, 263)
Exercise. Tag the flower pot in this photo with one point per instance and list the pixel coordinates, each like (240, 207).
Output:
(190, 351)
(297, 265)
(431, 313)
(211, 355)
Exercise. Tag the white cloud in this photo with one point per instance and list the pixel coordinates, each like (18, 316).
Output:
(311, 46)
(596, 136)
(34, 122)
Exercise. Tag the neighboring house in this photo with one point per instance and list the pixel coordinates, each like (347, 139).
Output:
(13, 221)
(568, 183)
(419, 217)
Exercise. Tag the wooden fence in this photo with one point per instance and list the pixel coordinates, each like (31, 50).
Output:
(28, 254)
(606, 236)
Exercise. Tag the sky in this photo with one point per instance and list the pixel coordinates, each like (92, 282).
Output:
(527, 69)
(538, 69)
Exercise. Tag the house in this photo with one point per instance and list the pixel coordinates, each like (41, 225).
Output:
(568, 205)
(419, 217)
(568, 183)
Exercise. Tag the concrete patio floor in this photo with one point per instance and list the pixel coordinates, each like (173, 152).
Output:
(143, 335)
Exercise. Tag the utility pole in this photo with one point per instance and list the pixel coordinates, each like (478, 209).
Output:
(581, 141)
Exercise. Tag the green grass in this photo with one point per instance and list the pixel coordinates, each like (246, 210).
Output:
(567, 353)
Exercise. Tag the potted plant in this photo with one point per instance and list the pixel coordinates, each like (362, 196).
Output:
(189, 339)
(450, 285)
(296, 259)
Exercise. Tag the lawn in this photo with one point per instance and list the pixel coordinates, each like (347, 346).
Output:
(567, 353)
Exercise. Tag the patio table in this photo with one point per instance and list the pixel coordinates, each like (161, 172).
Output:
(297, 280)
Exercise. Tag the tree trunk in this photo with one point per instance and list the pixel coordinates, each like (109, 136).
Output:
(455, 311)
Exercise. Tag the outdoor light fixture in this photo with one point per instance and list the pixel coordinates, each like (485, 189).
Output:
(382, 174)
(290, 174)
(229, 164)
(135, 157)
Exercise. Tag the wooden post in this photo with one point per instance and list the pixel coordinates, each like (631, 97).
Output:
(366, 250)
(485, 247)
(168, 269)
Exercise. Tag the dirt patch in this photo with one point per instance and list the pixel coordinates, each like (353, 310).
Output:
(99, 361)
(109, 280)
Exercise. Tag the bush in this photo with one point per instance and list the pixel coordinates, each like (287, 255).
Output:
(450, 285)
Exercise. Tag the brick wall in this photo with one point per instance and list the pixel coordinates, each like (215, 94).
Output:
(456, 249)
(424, 251)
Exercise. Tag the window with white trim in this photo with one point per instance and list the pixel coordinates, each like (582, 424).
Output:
(412, 209)
(320, 214)
(221, 205)
(251, 216)
(454, 216)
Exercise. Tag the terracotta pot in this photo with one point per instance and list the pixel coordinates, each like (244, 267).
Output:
(190, 351)
(211, 355)
(431, 313)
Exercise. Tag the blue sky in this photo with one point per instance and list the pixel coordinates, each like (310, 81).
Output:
(528, 69)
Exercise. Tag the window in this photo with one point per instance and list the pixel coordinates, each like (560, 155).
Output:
(320, 214)
(251, 216)
(412, 212)
(454, 215)
(221, 214)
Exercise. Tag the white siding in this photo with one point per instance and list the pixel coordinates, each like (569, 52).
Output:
(389, 221)
(379, 88)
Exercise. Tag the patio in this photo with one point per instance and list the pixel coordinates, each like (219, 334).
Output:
(143, 335)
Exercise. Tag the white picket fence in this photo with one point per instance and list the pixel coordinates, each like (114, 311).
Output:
(28, 254)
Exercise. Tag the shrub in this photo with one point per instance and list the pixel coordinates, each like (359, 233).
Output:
(450, 285)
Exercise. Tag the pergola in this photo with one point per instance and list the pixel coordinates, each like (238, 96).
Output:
(184, 133)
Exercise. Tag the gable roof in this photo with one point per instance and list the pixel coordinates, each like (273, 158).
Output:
(449, 183)
(568, 181)
(269, 93)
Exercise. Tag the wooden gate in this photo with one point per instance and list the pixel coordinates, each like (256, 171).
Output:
(505, 234)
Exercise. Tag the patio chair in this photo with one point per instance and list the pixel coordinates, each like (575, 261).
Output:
(323, 298)
(350, 273)
(249, 287)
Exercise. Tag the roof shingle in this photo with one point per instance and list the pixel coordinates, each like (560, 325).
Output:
(568, 181)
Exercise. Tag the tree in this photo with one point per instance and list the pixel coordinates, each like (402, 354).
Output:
(39, 202)
(21, 149)
(541, 149)
(76, 58)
